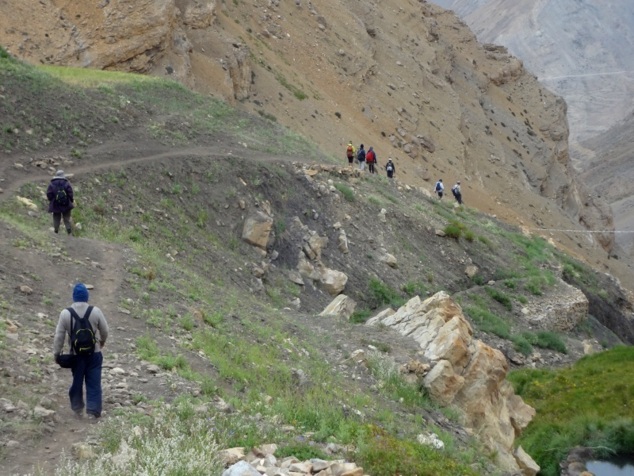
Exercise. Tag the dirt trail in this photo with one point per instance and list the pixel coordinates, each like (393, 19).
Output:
(96, 263)
(101, 265)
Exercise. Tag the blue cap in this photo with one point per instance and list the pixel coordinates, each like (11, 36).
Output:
(80, 293)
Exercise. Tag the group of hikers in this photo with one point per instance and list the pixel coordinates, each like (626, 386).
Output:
(82, 326)
(368, 157)
(455, 190)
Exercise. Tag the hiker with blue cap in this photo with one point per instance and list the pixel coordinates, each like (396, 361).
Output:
(87, 332)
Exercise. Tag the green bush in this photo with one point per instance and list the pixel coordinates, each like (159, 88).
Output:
(346, 191)
(551, 340)
(382, 294)
(360, 316)
(500, 297)
(453, 230)
(301, 451)
(383, 454)
(488, 322)
(522, 345)
(414, 289)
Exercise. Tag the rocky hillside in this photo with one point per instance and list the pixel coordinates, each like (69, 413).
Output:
(608, 170)
(237, 267)
(579, 49)
(408, 78)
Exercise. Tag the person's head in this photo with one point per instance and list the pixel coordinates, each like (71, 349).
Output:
(440, 180)
(80, 293)
(458, 182)
(361, 146)
(59, 174)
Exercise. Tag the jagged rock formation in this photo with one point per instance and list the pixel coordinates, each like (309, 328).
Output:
(466, 373)
(579, 48)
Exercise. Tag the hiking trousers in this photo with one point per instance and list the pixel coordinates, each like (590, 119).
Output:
(87, 370)
(57, 219)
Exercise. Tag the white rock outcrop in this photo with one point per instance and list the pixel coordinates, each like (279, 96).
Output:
(466, 373)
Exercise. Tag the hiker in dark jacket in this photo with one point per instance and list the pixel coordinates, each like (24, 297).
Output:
(390, 168)
(457, 193)
(60, 201)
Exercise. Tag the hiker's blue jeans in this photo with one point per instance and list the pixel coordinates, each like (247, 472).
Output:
(87, 369)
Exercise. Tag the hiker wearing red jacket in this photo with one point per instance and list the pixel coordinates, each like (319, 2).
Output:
(370, 158)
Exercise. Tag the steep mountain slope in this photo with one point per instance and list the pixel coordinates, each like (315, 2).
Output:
(405, 77)
(579, 49)
(609, 171)
(213, 249)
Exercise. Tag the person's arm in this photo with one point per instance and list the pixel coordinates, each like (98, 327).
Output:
(102, 326)
(50, 192)
(69, 192)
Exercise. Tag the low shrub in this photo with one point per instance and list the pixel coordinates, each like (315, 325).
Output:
(500, 297)
(346, 191)
(360, 316)
(382, 294)
(486, 321)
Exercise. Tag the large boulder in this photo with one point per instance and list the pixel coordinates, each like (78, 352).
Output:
(257, 229)
(561, 309)
(342, 306)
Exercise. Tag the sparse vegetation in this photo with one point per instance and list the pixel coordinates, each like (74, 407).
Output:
(346, 191)
(212, 327)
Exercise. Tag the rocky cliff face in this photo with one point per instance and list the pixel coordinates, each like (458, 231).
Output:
(580, 49)
(409, 79)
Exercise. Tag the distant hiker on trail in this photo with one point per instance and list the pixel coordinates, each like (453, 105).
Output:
(456, 192)
(361, 156)
(390, 168)
(86, 339)
(350, 153)
(440, 188)
(370, 158)
(60, 201)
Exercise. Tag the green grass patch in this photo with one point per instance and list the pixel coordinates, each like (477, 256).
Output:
(346, 191)
(360, 316)
(500, 297)
(486, 321)
(384, 454)
(588, 404)
(381, 294)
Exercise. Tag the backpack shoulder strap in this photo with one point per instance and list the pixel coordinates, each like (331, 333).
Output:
(74, 316)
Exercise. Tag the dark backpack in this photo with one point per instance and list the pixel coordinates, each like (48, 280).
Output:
(361, 155)
(438, 186)
(82, 337)
(61, 197)
(454, 190)
(349, 151)
(390, 167)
